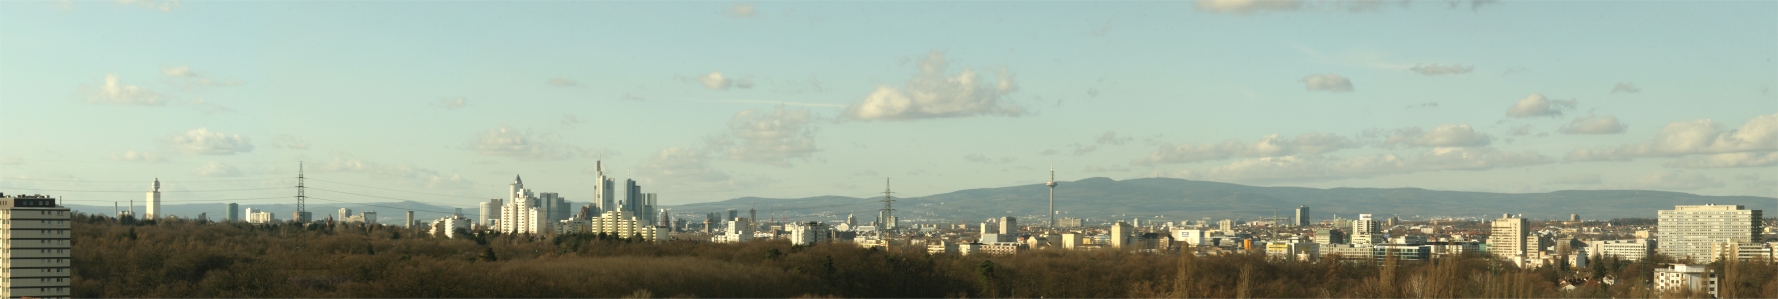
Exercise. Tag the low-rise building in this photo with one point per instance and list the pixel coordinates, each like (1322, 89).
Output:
(1630, 250)
(1698, 278)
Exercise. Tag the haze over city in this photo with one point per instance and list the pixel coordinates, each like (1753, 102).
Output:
(706, 101)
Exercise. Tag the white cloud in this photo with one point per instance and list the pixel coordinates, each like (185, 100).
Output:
(1112, 138)
(151, 4)
(682, 164)
(1743, 159)
(202, 141)
(1268, 146)
(193, 79)
(932, 94)
(1314, 167)
(1673, 180)
(1626, 88)
(118, 93)
(714, 80)
(289, 142)
(216, 169)
(1247, 7)
(451, 103)
(1536, 105)
(1327, 82)
(1579, 179)
(1693, 137)
(561, 82)
(1442, 136)
(1436, 69)
(506, 141)
(771, 138)
(1593, 125)
(742, 10)
(135, 156)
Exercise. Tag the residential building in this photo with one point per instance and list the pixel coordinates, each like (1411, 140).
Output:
(1192, 237)
(260, 216)
(1630, 250)
(521, 215)
(1120, 234)
(807, 233)
(489, 213)
(1365, 231)
(620, 224)
(1069, 222)
(1698, 278)
(1009, 225)
(449, 226)
(1507, 239)
(1688, 231)
(35, 236)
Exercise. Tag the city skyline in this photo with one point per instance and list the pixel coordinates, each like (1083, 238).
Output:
(707, 101)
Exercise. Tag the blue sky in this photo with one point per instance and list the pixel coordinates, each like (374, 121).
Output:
(703, 101)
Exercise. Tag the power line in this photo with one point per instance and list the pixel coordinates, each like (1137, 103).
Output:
(147, 163)
(203, 200)
(772, 188)
(169, 191)
(138, 181)
(417, 192)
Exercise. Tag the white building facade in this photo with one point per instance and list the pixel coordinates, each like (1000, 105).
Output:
(34, 238)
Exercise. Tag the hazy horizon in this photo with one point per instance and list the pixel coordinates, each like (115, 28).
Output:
(707, 101)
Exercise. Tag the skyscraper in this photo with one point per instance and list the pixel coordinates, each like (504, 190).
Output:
(1508, 237)
(602, 192)
(1302, 215)
(35, 269)
(1689, 231)
(521, 214)
(490, 213)
(1009, 225)
(154, 201)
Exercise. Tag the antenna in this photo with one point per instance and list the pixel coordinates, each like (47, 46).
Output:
(888, 209)
(301, 200)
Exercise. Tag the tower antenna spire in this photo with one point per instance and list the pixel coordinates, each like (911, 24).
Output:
(301, 200)
(888, 214)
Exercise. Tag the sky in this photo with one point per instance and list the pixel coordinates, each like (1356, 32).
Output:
(448, 101)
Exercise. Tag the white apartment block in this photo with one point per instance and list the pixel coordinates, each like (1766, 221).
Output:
(1507, 239)
(34, 247)
(1689, 231)
(1629, 250)
(449, 225)
(615, 223)
(1698, 278)
(807, 233)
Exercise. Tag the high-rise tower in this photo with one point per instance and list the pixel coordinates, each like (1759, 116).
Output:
(154, 200)
(1052, 185)
(1302, 215)
(604, 196)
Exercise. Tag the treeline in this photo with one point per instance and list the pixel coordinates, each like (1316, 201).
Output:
(187, 259)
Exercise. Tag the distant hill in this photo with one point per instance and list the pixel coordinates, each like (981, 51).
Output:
(1177, 199)
(387, 212)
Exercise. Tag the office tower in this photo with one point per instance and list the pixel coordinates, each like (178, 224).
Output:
(37, 245)
(1052, 184)
(410, 220)
(1120, 234)
(344, 212)
(632, 198)
(1508, 237)
(490, 213)
(154, 201)
(989, 228)
(521, 213)
(1573, 217)
(732, 215)
(1689, 231)
(234, 212)
(1009, 225)
(752, 215)
(666, 220)
(1364, 231)
(602, 192)
(370, 217)
(851, 221)
(1302, 215)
